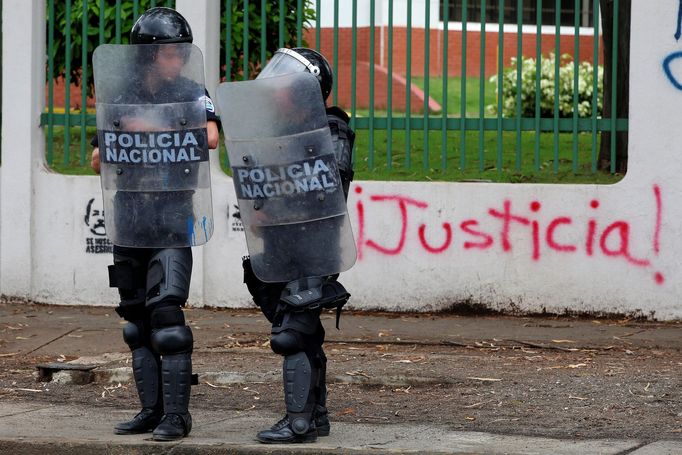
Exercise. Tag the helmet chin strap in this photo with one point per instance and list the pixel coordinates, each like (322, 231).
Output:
(314, 69)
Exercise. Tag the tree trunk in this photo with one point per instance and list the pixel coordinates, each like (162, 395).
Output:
(622, 87)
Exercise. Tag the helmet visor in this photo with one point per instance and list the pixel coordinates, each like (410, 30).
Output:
(286, 61)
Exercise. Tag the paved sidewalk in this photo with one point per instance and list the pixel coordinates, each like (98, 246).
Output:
(75, 430)
(465, 373)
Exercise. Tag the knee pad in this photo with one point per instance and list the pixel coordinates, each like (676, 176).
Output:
(167, 316)
(170, 335)
(286, 343)
(134, 335)
(172, 340)
(168, 276)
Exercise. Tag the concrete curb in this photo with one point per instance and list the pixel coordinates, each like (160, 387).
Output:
(26, 447)
(125, 374)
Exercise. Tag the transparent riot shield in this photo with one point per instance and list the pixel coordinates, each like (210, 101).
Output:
(151, 127)
(287, 182)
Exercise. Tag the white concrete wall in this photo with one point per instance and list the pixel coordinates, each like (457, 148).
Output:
(400, 10)
(422, 246)
(23, 66)
(381, 13)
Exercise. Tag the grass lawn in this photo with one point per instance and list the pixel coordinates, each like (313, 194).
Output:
(415, 165)
(454, 98)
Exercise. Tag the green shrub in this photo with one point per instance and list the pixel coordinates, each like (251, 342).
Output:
(547, 84)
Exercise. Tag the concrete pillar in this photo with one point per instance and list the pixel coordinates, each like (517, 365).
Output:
(204, 18)
(23, 144)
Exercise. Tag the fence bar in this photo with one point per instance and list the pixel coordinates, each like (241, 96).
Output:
(557, 63)
(118, 21)
(318, 26)
(299, 22)
(435, 123)
(372, 11)
(354, 64)
(136, 8)
(228, 40)
(282, 14)
(614, 84)
(538, 72)
(75, 119)
(490, 124)
(519, 77)
(463, 88)
(84, 79)
(50, 83)
(427, 52)
(101, 22)
(481, 93)
(67, 87)
(576, 68)
(336, 51)
(228, 57)
(263, 38)
(389, 94)
(245, 42)
(153, 3)
(444, 129)
(500, 80)
(408, 90)
(595, 84)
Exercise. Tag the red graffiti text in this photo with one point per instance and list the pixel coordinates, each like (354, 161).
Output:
(611, 239)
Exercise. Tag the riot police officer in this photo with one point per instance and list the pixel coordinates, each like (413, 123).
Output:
(154, 190)
(309, 254)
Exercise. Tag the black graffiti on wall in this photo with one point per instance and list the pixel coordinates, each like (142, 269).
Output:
(94, 219)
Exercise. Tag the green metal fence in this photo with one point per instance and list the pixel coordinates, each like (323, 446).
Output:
(450, 144)
(76, 27)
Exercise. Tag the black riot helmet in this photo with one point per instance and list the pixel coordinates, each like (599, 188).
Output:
(161, 25)
(287, 61)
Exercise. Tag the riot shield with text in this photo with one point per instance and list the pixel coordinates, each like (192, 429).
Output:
(286, 179)
(151, 127)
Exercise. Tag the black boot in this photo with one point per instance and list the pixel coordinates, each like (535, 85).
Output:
(282, 433)
(300, 378)
(176, 371)
(282, 430)
(278, 431)
(173, 427)
(320, 417)
(145, 420)
(146, 374)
